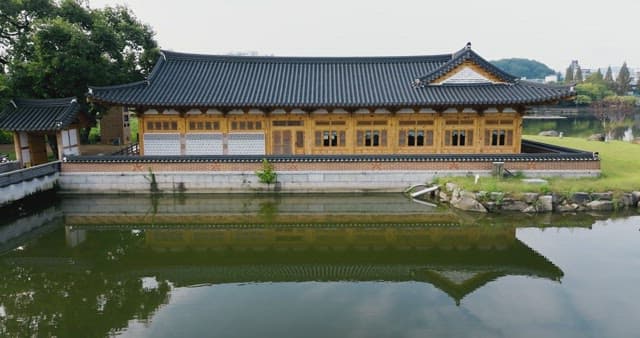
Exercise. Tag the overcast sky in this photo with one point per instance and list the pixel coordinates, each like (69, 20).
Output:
(597, 33)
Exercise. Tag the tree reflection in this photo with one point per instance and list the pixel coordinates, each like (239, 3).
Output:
(68, 296)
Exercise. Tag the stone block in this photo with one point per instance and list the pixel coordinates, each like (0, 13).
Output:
(451, 186)
(468, 204)
(581, 198)
(513, 205)
(530, 197)
(600, 205)
(496, 196)
(566, 207)
(545, 203)
(602, 196)
(628, 200)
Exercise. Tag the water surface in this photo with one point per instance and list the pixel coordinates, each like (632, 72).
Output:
(314, 266)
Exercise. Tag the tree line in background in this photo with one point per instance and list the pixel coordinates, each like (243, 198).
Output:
(609, 99)
(53, 49)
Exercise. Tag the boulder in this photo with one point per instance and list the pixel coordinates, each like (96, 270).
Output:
(545, 203)
(581, 198)
(443, 196)
(496, 196)
(490, 206)
(467, 204)
(600, 205)
(551, 133)
(628, 200)
(530, 197)
(530, 209)
(565, 207)
(636, 195)
(596, 137)
(602, 196)
(451, 186)
(513, 205)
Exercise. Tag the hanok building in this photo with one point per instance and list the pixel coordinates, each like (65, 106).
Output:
(451, 113)
(35, 123)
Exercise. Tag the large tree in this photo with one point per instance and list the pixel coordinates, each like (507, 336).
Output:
(578, 76)
(70, 46)
(612, 111)
(16, 21)
(623, 80)
(608, 78)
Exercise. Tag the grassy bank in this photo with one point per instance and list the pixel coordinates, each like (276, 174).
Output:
(620, 163)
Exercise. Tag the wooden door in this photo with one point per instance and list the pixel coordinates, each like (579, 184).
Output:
(282, 142)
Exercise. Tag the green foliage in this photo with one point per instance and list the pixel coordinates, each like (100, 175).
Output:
(583, 100)
(5, 90)
(529, 69)
(594, 90)
(153, 184)
(62, 47)
(608, 77)
(6, 137)
(578, 76)
(94, 135)
(595, 77)
(267, 175)
(623, 81)
(133, 124)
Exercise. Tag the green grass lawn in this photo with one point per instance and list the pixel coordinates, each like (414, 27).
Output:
(620, 164)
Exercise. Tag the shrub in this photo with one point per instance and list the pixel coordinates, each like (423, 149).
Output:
(267, 175)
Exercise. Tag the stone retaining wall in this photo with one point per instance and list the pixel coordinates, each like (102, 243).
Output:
(292, 176)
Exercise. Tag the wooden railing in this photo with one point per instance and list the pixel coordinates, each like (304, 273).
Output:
(20, 175)
(131, 150)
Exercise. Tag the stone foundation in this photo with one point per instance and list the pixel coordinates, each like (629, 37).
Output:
(214, 177)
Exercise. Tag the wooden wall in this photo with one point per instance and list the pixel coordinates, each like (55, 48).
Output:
(360, 132)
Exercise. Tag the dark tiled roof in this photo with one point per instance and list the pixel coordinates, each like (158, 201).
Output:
(39, 115)
(192, 80)
(466, 54)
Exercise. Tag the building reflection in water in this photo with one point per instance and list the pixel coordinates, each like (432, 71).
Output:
(117, 259)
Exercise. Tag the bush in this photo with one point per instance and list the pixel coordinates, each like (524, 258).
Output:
(267, 175)
(6, 137)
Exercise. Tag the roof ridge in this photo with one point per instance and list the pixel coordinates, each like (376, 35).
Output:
(457, 59)
(45, 102)
(303, 59)
(126, 85)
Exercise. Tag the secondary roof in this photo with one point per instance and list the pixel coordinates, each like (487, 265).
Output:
(39, 115)
(194, 80)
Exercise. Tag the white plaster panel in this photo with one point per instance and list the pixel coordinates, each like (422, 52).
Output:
(73, 137)
(162, 144)
(246, 144)
(204, 144)
(65, 138)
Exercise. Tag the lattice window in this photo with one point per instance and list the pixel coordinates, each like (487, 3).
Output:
(499, 132)
(204, 125)
(458, 137)
(414, 133)
(162, 125)
(246, 125)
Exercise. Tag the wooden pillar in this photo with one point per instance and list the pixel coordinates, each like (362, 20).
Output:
(17, 148)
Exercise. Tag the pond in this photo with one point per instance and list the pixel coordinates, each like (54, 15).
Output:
(583, 124)
(313, 266)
